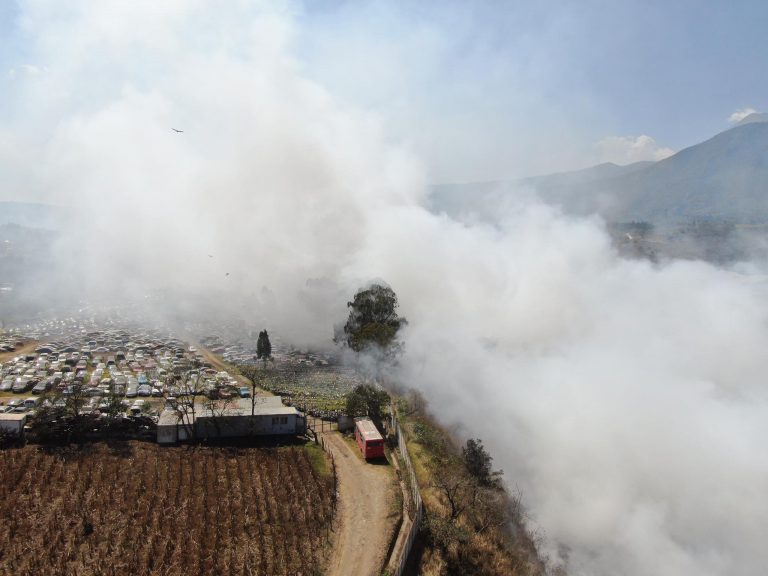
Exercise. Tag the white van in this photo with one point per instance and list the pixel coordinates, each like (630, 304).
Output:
(31, 403)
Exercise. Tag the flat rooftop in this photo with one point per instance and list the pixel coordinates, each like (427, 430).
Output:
(264, 406)
(13, 416)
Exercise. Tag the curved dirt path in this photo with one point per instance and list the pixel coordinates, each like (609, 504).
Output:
(365, 496)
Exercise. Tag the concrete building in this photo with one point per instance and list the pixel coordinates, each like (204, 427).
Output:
(270, 417)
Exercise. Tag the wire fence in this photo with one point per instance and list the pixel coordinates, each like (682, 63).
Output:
(415, 506)
(319, 425)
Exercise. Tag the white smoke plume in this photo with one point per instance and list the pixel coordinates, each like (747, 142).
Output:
(625, 399)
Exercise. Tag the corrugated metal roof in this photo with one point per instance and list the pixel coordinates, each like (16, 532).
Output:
(265, 406)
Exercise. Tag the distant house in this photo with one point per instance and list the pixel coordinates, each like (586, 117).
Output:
(270, 417)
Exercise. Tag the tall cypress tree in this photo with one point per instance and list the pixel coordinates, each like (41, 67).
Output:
(263, 346)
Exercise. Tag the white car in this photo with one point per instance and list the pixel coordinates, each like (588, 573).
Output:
(137, 407)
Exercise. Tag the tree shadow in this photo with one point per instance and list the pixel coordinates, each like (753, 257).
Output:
(120, 448)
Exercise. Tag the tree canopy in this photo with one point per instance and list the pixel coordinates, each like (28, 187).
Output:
(263, 346)
(373, 319)
(477, 461)
(367, 400)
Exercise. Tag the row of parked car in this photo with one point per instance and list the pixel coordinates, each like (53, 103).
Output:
(18, 405)
(9, 344)
(102, 365)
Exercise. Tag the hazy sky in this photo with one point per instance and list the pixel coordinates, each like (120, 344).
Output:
(481, 90)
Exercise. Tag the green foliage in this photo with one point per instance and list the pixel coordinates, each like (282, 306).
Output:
(321, 390)
(444, 533)
(114, 405)
(477, 461)
(317, 457)
(373, 321)
(367, 400)
(435, 441)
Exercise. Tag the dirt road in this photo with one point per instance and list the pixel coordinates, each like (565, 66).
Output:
(219, 364)
(367, 516)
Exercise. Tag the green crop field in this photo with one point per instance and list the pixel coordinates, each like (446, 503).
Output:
(322, 390)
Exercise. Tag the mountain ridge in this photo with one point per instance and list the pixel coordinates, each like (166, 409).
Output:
(722, 178)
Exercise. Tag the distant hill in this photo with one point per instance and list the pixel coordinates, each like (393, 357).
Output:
(724, 178)
(32, 215)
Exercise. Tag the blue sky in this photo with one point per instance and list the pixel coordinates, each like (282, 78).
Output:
(672, 70)
(492, 90)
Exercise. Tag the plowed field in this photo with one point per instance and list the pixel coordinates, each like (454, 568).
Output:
(141, 509)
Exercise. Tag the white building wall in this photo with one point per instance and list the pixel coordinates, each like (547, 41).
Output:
(15, 426)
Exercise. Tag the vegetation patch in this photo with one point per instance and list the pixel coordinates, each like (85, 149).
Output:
(321, 390)
(472, 524)
(318, 459)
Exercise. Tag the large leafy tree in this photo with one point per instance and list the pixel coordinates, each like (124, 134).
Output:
(373, 319)
(367, 400)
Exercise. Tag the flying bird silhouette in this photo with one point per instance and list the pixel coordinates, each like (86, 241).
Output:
(178, 131)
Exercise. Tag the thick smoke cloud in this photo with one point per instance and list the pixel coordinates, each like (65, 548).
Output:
(625, 400)
(257, 204)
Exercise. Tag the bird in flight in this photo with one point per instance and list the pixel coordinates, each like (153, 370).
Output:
(177, 131)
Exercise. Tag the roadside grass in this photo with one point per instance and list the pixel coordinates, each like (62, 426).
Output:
(318, 459)
(396, 502)
(421, 455)
(395, 515)
(456, 546)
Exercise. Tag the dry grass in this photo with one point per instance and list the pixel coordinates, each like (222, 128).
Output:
(141, 509)
(508, 550)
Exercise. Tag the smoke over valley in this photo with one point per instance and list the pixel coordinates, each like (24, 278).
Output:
(624, 397)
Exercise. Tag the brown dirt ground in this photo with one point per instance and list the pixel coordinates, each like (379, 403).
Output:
(28, 347)
(366, 520)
